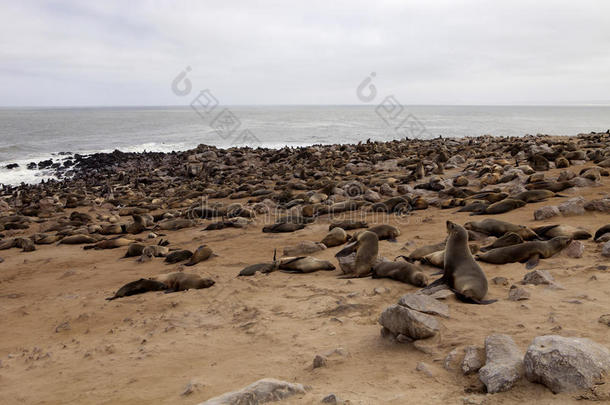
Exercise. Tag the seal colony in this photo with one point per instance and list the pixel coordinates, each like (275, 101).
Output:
(309, 224)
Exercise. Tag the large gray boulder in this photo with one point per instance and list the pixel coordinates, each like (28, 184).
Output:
(404, 321)
(504, 365)
(565, 363)
(260, 392)
(425, 304)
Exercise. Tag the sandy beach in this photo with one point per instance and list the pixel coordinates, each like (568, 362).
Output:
(62, 342)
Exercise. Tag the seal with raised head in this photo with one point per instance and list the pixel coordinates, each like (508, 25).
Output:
(140, 286)
(530, 252)
(366, 247)
(402, 271)
(461, 272)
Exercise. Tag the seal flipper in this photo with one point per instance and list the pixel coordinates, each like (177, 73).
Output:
(532, 262)
(407, 259)
(437, 282)
(348, 276)
(469, 300)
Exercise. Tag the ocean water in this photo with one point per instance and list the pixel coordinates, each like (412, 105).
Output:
(34, 134)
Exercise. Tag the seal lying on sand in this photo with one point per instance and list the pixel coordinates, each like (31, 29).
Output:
(498, 228)
(179, 281)
(508, 239)
(551, 231)
(529, 252)
(337, 236)
(461, 272)
(304, 264)
(202, 253)
(400, 271)
(264, 268)
(140, 286)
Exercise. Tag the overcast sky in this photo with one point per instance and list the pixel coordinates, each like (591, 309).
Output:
(73, 53)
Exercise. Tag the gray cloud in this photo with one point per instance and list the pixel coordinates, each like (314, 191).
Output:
(280, 52)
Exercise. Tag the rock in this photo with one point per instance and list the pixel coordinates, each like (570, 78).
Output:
(456, 160)
(451, 360)
(191, 387)
(402, 320)
(475, 400)
(372, 196)
(332, 399)
(565, 363)
(441, 294)
(538, 277)
(606, 249)
(425, 304)
(565, 175)
(473, 360)
(601, 205)
(62, 327)
(386, 189)
(303, 248)
(500, 280)
(574, 206)
(517, 293)
(604, 319)
(504, 364)
(575, 249)
(380, 290)
(260, 392)
(424, 368)
(319, 361)
(543, 213)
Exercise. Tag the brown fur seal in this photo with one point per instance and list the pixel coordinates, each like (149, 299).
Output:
(110, 244)
(78, 239)
(140, 286)
(337, 236)
(138, 225)
(348, 225)
(551, 231)
(282, 227)
(264, 268)
(500, 207)
(437, 259)
(423, 251)
(602, 231)
(461, 272)
(178, 256)
(401, 271)
(134, 249)
(179, 281)
(366, 247)
(532, 196)
(498, 228)
(175, 224)
(304, 264)
(508, 239)
(529, 252)
(202, 253)
(385, 232)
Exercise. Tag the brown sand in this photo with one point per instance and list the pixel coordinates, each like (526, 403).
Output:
(61, 342)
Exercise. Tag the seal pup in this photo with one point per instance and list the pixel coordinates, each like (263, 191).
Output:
(337, 236)
(402, 271)
(202, 253)
(304, 264)
(178, 256)
(551, 231)
(179, 281)
(140, 286)
(264, 268)
(366, 247)
(461, 272)
(529, 252)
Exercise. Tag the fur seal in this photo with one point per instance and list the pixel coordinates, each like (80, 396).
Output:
(532, 196)
(110, 243)
(138, 225)
(202, 253)
(78, 239)
(366, 247)
(602, 231)
(264, 268)
(461, 272)
(423, 251)
(508, 239)
(134, 249)
(348, 225)
(140, 286)
(551, 231)
(179, 281)
(174, 224)
(282, 227)
(178, 256)
(437, 259)
(500, 207)
(385, 232)
(400, 271)
(304, 264)
(498, 228)
(337, 236)
(529, 252)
